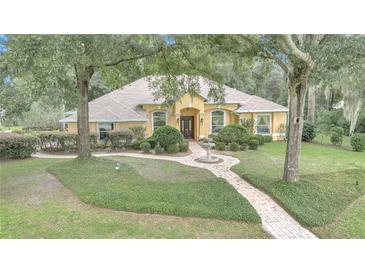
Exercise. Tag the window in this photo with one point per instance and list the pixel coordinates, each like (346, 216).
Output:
(158, 119)
(104, 128)
(263, 124)
(217, 121)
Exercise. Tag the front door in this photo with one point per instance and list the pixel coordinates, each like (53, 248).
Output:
(187, 126)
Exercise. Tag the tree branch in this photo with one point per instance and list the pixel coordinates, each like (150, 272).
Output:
(305, 57)
(266, 53)
(122, 60)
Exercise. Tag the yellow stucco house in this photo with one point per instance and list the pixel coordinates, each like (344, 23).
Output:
(195, 116)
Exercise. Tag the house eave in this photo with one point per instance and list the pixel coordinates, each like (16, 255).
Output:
(260, 111)
(104, 120)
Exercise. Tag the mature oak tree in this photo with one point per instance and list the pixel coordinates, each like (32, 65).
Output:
(298, 56)
(51, 57)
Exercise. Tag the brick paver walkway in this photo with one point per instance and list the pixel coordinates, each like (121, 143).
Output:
(275, 220)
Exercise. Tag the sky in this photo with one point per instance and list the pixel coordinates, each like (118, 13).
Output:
(3, 40)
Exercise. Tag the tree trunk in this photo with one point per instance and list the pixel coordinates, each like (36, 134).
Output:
(311, 104)
(83, 119)
(296, 114)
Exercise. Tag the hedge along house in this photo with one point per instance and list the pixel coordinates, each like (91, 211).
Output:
(195, 116)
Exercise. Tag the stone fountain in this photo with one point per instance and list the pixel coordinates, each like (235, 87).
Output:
(209, 158)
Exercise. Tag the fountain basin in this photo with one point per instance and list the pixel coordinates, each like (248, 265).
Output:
(209, 160)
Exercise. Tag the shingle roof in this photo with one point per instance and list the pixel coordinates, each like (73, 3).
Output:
(121, 105)
(258, 104)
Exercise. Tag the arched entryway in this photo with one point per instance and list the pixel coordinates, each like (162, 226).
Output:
(189, 123)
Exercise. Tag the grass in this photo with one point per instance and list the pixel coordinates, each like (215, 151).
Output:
(326, 140)
(350, 223)
(34, 204)
(331, 180)
(3, 128)
(150, 186)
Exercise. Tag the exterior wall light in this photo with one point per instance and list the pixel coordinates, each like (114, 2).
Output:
(201, 115)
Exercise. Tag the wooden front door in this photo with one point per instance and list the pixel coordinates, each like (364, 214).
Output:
(187, 126)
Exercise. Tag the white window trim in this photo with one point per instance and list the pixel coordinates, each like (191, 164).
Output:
(257, 119)
(153, 126)
(211, 119)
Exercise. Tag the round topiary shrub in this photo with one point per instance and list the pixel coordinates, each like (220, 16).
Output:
(234, 146)
(15, 146)
(233, 133)
(220, 146)
(258, 138)
(337, 136)
(243, 146)
(159, 149)
(168, 135)
(145, 147)
(173, 148)
(358, 142)
(253, 144)
(184, 146)
(309, 132)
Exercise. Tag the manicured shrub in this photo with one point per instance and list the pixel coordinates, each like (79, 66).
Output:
(168, 135)
(253, 144)
(267, 138)
(214, 138)
(233, 133)
(159, 149)
(15, 146)
(243, 146)
(358, 142)
(57, 141)
(152, 141)
(184, 146)
(337, 136)
(145, 147)
(173, 148)
(309, 132)
(120, 138)
(220, 146)
(138, 132)
(234, 146)
(261, 139)
(258, 138)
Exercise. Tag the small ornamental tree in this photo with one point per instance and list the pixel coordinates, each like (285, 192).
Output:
(138, 132)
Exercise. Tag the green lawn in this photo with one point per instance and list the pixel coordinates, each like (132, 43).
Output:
(331, 179)
(326, 140)
(34, 204)
(3, 128)
(152, 186)
(350, 223)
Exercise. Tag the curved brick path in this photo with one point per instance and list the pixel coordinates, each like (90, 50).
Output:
(275, 220)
